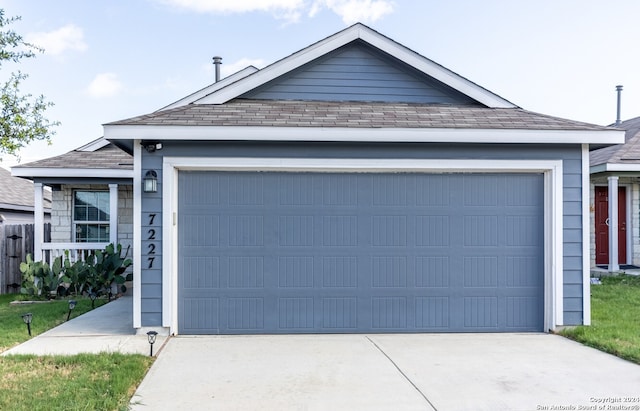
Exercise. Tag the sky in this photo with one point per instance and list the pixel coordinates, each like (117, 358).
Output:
(107, 60)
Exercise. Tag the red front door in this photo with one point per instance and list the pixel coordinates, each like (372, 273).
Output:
(602, 225)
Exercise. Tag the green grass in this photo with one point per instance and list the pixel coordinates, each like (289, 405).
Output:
(79, 382)
(615, 318)
(46, 315)
(105, 381)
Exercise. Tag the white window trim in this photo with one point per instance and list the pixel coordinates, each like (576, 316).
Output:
(553, 217)
(108, 222)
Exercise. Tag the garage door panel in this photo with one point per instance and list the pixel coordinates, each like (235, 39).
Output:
(310, 253)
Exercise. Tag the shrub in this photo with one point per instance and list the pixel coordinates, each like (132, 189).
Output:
(98, 274)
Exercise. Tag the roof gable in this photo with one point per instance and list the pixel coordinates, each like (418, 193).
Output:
(358, 72)
(364, 34)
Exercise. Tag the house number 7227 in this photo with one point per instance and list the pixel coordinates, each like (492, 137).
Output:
(152, 236)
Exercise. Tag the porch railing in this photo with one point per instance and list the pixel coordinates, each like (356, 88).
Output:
(77, 251)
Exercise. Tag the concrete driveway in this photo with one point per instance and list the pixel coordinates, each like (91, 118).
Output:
(386, 372)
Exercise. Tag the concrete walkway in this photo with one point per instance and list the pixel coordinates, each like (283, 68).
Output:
(108, 328)
(386, 372)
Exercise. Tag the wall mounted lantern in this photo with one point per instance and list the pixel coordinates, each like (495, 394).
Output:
(151, 335)
(150, 182)
(27, 317)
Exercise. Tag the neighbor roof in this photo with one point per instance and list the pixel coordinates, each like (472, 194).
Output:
(17, 193)
(627, 153)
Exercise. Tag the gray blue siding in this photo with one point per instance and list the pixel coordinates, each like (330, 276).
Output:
(570, 154)
(357, 72)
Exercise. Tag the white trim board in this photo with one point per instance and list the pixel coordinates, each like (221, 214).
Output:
(366, 135)
(346, 36)
(612, 167)
(553, 221)
(586, 239)
(71, 172)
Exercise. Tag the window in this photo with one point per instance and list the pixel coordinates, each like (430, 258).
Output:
(91, 216)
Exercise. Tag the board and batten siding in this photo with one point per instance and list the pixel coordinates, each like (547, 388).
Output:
(151, 278)
(358, 73)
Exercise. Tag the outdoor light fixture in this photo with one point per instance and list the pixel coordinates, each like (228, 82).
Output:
(27, 320)
(150, 182)
(72, 305)
(151, 146)
(151, 335)
(93, 297)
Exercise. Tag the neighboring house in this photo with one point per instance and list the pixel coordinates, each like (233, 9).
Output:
(616, 169)
(356, 186)
(92, 198)
(16, 200)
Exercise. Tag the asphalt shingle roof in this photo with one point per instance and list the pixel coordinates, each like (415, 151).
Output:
(272, 113)
(107, 157)
(16, 191)
(627, 153)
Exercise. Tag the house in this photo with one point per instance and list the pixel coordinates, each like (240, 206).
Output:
(356, 186)
(16, 200)
(616, 169)
(92, 199)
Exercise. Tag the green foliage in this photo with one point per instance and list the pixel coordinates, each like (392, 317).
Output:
(46, 315)
(77, 273)
(98, 274)
(33, 273)
(615, 318)
(104, 381)
(39, 279)
(107, 270)
(22, 118)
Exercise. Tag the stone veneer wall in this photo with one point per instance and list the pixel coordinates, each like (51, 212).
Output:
(61, 213)
(633, 191)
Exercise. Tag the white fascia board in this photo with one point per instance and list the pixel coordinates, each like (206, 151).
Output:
(70, 172)
(371, 135)
(435, 70)
(94, 145)
(211, 88)
(385, 44)
(609, 167)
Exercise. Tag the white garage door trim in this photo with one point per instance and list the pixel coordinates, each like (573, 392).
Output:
(553, 219)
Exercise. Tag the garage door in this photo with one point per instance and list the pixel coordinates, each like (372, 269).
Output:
(268, 252)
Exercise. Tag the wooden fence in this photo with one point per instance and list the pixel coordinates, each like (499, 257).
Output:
(16, 241)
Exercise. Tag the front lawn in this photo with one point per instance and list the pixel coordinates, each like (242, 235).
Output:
(46, 315)
(104, 381)
(615, 318)
(79, 382)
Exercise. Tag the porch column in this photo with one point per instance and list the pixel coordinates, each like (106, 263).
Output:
(38, 221)
(113, 213)
(613, 224)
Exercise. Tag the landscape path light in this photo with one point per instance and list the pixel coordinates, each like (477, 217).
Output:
(72, 305)
(151, 336)
(27, 317)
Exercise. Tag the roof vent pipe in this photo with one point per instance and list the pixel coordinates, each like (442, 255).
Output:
(619, 90)
(217, 61)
